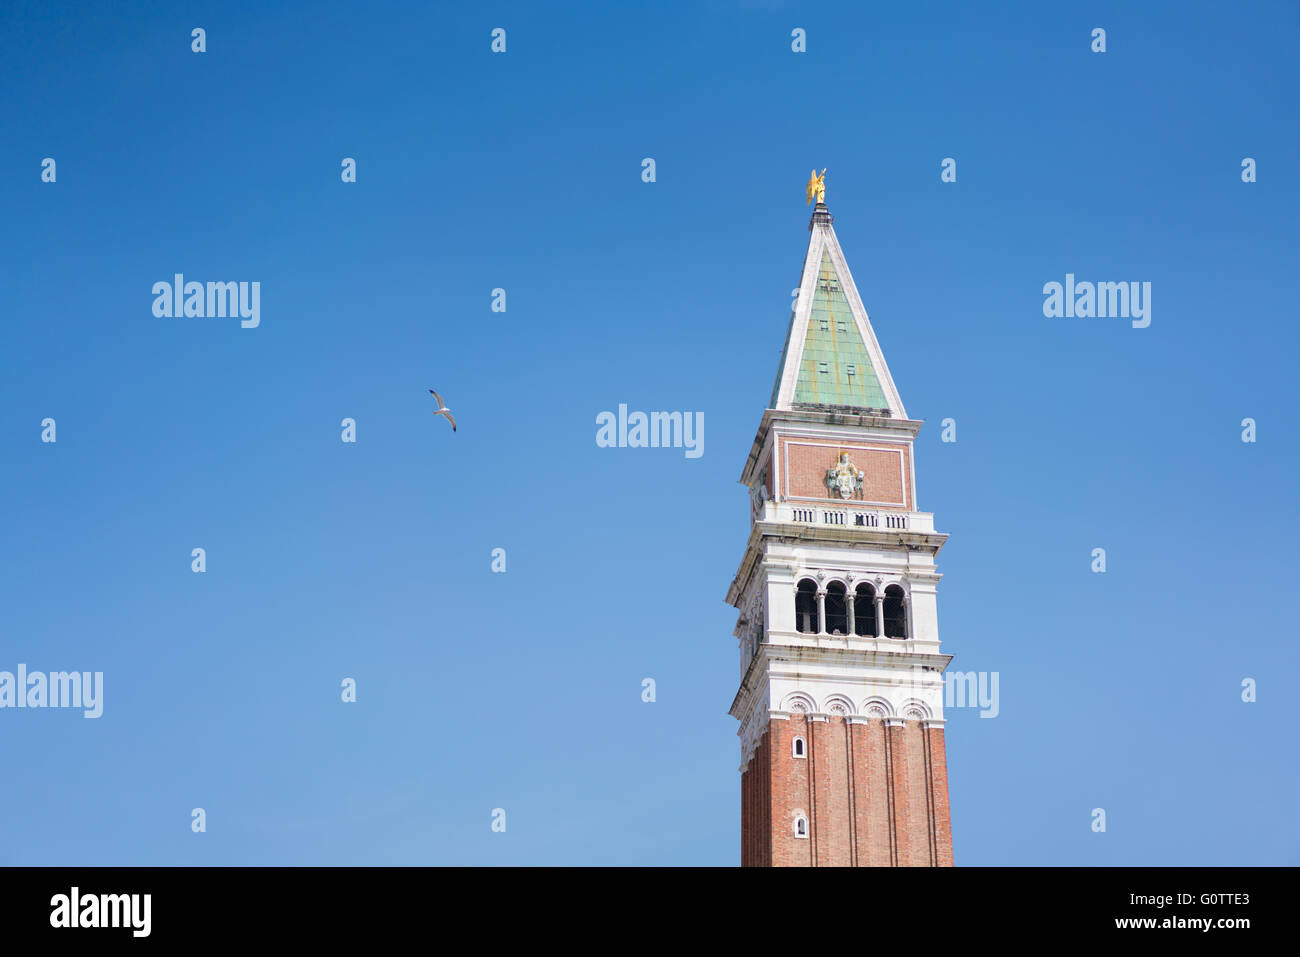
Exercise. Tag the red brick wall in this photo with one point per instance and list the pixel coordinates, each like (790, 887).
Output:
(872, 808)
(885, 480)
(748, 779)
(873, 795)
(755, 820)
(831, 830)
(790, 790)
(939, 793)
(912, 827)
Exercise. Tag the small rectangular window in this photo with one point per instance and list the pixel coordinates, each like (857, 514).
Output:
(823, 367)
(853, 370)
(825, 325)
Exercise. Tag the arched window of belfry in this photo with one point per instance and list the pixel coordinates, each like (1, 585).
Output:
(837, 620)
(864, 611)
(895, 613)
(805, 608)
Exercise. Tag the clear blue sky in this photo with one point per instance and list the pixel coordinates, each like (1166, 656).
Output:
(523, 171)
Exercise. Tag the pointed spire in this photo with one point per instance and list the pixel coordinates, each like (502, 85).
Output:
(831, 360)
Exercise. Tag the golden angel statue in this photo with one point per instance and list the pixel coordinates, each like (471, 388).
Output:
(817, 186)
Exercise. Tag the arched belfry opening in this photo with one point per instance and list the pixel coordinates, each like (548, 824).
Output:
(805, 608)
(864, 610)
(895, 612)
(837, 615)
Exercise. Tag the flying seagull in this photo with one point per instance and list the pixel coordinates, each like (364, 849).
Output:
(443, 410)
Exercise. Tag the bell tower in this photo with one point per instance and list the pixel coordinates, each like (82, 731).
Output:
(841, 677)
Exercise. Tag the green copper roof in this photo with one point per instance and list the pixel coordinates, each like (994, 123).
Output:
(834, 368)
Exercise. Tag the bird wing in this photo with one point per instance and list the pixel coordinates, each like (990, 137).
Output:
(441, 406)
(451, 419)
